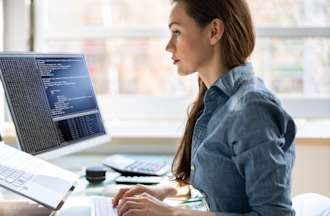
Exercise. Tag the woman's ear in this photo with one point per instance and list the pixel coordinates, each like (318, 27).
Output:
(217, 29)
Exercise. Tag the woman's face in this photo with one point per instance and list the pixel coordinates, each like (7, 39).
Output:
(189, 43)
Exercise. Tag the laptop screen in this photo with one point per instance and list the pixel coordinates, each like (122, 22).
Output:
(51, 100)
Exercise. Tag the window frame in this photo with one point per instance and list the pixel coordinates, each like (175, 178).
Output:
(2, 96)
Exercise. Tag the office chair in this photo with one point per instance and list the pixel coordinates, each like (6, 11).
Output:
(311, 204)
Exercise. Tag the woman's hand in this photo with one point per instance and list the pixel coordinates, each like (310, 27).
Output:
(142, 205)
(159, 192)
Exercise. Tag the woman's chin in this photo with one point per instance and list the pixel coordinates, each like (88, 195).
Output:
(182, 72)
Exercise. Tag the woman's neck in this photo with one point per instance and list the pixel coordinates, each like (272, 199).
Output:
(213, 68)
(210, 74)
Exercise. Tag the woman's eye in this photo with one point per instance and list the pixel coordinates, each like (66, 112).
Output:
(177, 33)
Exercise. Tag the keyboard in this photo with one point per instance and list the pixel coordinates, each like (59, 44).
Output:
(102, 206)
(14, 177)
(13, 171)
(128, 166)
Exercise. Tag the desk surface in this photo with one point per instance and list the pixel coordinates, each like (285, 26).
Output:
(19, 208)
(12, 204)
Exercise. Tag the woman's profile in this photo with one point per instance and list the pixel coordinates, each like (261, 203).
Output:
(237, 148)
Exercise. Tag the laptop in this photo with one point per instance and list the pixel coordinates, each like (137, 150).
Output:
(34, 178)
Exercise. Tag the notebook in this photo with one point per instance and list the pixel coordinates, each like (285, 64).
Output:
(34, 178)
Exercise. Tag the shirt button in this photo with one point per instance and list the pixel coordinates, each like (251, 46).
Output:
(192, 167)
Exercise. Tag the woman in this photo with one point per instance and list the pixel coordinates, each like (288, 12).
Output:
(237, 148)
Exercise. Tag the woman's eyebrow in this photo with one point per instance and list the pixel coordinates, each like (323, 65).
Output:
(169, 26)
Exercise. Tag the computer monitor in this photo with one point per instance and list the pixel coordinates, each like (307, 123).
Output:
(52, 103)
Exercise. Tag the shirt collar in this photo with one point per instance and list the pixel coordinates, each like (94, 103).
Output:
(231, 80)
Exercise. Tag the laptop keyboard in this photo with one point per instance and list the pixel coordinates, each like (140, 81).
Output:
(17, 176)
(102, 206)
(14, 177)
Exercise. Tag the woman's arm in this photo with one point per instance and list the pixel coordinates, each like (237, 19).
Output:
(158, 191)
(145, 204)
(176, 189)
(261, 138)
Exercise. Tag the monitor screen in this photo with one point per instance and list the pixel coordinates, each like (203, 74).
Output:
(52, 103)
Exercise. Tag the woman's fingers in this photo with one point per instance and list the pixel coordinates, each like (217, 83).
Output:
(138, 189)
(125, 206)
(143, 204)
(128, 192)
(118, 196)
(134, 212)
(131, 203)
(149, 197)
(136, 199)
(146, 195)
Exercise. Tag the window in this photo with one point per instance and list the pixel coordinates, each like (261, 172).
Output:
(2, 107)
(125, 50)
(292, 53)
(124, 42)
(293, 50)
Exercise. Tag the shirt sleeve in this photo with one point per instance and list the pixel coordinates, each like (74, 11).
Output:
(262, 137)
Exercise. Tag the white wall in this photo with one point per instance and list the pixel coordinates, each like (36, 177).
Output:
(312, 169)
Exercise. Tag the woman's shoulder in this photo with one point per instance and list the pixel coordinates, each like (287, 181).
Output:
(254, 91)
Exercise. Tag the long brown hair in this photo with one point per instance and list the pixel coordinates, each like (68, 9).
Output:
(236, 44)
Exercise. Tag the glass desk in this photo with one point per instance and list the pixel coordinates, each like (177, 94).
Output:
(78, 201)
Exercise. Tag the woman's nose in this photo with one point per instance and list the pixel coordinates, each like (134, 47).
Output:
(169, 47)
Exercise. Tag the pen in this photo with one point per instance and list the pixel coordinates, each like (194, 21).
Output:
(195, 199)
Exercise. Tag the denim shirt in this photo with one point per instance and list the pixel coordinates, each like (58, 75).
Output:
(242, 148)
